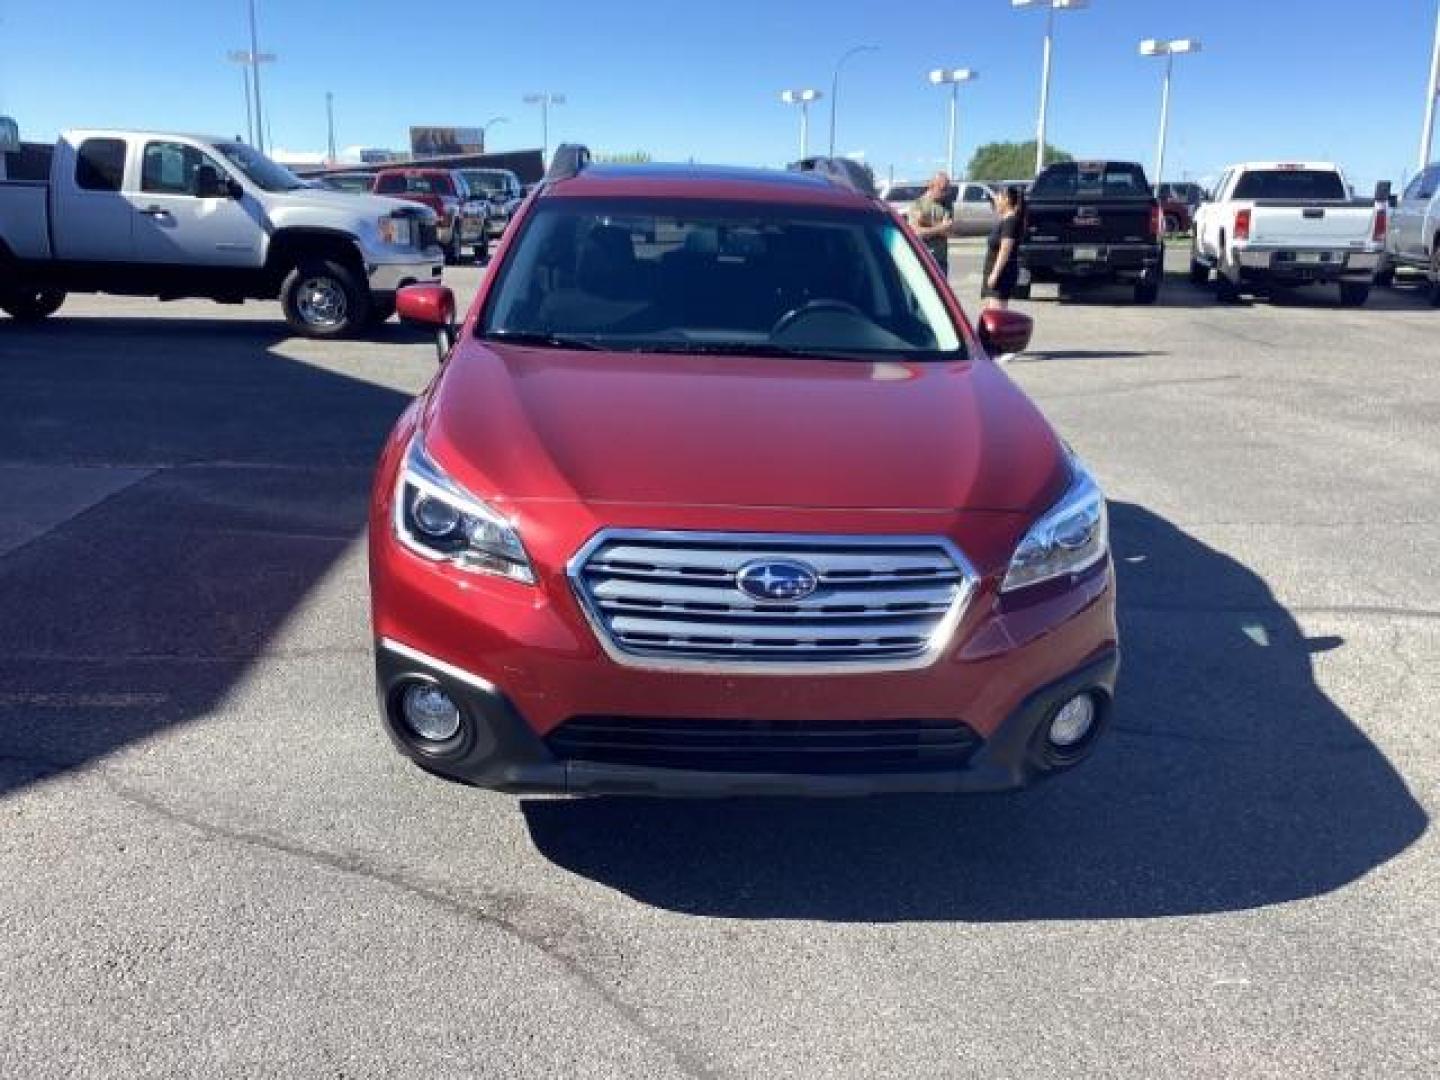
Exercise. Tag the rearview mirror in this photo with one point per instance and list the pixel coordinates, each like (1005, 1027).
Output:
(1004, 332)
(430, 306)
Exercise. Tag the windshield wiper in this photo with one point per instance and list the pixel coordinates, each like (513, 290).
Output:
(757, 348)
(540, 337)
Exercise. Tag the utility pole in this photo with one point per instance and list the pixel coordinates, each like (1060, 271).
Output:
(255, 79)
(1429, 131)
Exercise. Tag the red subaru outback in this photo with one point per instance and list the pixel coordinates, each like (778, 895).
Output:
(718, 492)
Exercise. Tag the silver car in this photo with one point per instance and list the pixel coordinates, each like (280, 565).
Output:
(1413, 239)
(973, 203)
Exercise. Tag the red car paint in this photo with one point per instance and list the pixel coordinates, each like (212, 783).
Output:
(567, 443)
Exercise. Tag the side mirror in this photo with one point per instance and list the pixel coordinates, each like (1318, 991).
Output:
(208, 184)
(430, 306)
(1004, 332)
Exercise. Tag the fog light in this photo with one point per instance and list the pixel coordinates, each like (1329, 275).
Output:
(1073, 723)
(429, 712)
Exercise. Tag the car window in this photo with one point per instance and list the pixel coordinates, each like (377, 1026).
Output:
(168, 168)
(100, 164)
(1091, 180)
(1429, 181)
(259, 169)
(974, 193)
(692, 276)
(1320, 184)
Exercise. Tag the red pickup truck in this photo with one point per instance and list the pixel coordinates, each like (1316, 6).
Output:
(462, 213)
(719, 492)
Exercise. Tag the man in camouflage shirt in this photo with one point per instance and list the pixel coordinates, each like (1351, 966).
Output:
(931, 218)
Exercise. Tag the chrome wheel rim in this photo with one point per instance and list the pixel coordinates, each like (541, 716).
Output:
(321, 302)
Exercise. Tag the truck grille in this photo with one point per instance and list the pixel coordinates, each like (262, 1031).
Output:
(836, 747)
(674, 600)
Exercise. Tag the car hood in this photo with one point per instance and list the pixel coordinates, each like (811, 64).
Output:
(517, 424)
(347, 202)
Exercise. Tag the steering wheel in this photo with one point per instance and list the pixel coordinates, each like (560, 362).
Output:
(815, 307)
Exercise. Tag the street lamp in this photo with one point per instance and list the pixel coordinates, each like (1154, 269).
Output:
(1169, 50)
(953, 78)
(1429, 131)
(250, 69)
(835, 86)
(803, 98)
(485, 131)
(544, 100)
(1050, 6)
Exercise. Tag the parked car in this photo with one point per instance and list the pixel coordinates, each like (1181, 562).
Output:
(1093, 222)
(1178, 203)
(1413, 239)
(1192, 195)
(502, 187)
(152, 214)
(1280, 224)
(354, 183)
(972, 204)
(658, 527)
(463, 216)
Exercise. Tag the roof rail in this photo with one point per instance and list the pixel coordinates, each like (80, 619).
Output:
(844, 172)
(569, 159)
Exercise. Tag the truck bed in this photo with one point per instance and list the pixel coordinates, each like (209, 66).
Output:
(1298, 223)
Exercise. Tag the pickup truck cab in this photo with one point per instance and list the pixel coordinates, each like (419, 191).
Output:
(1093, 222)
(1279, 224)
(1413, 240)
(463, 215)
(174, 216)
(503, 190)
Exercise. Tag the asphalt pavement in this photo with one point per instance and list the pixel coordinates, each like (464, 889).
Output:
(213, 864)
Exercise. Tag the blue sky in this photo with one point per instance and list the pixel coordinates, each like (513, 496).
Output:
(1279, 78)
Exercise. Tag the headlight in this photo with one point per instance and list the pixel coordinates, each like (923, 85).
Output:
(1070, 537)
(396, 231)
(439, 520)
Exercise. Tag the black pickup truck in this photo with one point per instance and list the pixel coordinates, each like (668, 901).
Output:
(1094, 222)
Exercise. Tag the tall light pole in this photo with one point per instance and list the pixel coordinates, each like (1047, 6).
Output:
(1050, 6)
(485, 131)
(242, 57)
(1169, 50)
(544, 100)
(1429, 131)
(803, 98)
(953, 78)
(330, 122)
(835, 86)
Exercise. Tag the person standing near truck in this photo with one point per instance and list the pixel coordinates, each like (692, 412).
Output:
(931, 217)
(1002, 254)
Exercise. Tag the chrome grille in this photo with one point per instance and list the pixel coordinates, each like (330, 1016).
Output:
(672, 600)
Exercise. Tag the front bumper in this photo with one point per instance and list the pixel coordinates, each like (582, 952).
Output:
(413, 268)
(1301, 265)
(1099, 261)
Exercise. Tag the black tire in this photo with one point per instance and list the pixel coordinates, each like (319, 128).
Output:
(1435, 274)
(1354, 294)
(1199, 272)
(29, 304)
(1385, 275)
(1147, 290)
(1020, 292)
(1227, 289)
(324, 299)
(455, 253)
(1172, 225)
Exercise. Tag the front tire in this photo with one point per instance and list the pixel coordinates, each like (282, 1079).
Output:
(1354, 294)
(29, 304)
(324, 299)
(1147, 290)
(1435, 275)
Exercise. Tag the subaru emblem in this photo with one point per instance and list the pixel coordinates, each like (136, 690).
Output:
(777, 580)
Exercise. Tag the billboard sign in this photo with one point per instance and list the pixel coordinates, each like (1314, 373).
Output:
(440, 141)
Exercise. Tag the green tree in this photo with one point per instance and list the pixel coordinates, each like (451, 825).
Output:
(1009, 161)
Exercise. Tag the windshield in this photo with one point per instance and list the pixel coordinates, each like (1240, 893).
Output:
(491, 183)
(1091, 180)
(1290, 184)
(258, 169)
(689, 276)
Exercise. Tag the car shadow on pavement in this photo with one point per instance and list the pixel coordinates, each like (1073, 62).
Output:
(1229, 781)
(241, 476)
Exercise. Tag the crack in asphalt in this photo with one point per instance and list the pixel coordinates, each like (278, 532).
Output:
(503, 911)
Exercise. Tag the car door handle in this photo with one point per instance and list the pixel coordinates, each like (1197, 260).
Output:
(155, 211)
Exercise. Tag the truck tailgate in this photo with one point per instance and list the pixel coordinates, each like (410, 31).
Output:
(1297, 224)
(24, 218)
(1103, 221)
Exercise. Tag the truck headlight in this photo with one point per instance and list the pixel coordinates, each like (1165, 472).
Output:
(439, 520)
(1070, 537)
(396, 231)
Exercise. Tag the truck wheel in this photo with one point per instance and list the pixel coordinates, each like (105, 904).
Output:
(1147, 290)
(324, 299)
(31, 304)
(1385, 276)
(456, 251)
(1435, 275)
(1353, 294)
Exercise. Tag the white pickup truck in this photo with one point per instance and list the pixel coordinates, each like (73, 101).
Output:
(1277, 224)
(172, 216)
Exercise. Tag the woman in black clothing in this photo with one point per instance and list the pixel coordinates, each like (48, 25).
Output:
(1002, 257)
